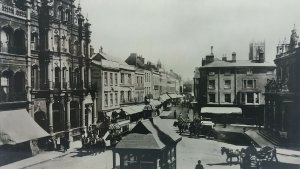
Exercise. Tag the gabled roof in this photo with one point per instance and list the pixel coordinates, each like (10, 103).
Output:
(238, 63)
(149, 134)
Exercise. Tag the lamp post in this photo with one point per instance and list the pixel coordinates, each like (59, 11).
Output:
(194, 103)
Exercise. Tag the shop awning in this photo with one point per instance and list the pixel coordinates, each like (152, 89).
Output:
(16, 126)
(173, 96)
(133, 109)
(179, 96)
(221, 110)
(164, 97)
(154, 103)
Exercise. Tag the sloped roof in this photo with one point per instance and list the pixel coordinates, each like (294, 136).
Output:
(149, 135)
(238, 63)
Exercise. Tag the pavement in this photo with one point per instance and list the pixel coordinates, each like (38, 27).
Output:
(42, 157)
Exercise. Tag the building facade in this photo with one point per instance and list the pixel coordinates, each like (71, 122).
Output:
(46, 46)
(234, 83)
(282, 94)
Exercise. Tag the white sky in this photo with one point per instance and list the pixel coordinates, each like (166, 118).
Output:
(180, 32)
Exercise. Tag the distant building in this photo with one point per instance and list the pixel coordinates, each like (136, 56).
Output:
(283, 94)
(256, 51)
(233, 83)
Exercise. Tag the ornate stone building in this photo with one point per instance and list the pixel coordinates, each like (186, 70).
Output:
(282, 94)
(45, 63)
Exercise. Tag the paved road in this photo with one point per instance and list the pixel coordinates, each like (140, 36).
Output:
(189, 150)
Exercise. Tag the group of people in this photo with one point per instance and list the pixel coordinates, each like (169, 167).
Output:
(91, 140)
(57, 143)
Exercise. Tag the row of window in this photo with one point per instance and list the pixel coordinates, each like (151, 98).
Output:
(147, 77)
(113, 79)
(247, 84)
(139, 81)
(112, 98)
(246, 98)
(248, 72)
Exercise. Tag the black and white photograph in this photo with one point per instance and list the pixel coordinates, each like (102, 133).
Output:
(149, 84)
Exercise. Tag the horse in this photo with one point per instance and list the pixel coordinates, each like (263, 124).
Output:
(230, 154)
(182, 126)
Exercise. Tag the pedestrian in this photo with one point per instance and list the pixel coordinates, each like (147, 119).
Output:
(199, 165)
(66, 142)
(175, 114)
(274, 154)
(253, 161)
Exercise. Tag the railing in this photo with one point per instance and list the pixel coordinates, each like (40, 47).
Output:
(12, 11)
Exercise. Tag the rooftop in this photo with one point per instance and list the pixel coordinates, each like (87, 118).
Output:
(238, 63)
(149, 134)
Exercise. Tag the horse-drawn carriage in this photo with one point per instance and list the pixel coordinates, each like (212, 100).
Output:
(195, 127)
(249, 157)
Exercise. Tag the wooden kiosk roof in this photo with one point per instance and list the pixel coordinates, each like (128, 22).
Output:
(150, 134)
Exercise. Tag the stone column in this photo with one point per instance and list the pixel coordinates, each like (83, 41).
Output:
(68, 78)
(82, 77)
(50, 114)
(95, 111)
(82, 113)
(114, 159)
(50, 76)
(68, 120)
(122, 161)
(274, 116)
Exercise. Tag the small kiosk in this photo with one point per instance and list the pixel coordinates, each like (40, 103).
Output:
(150, 145)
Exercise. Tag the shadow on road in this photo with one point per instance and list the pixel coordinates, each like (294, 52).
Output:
(224, 163)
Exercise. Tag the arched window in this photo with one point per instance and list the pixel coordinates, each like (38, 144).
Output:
(57, 77)
(6, 85)
(74, 114)
(75, 48)
(19, 41)
(19, 85)
(5, 39)
(35, 77)
(34, 41)
(76, 80)
(68, 15)
(64, 77)
(61, 14)
(58, 118)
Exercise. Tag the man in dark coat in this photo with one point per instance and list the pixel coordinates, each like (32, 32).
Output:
(199, 165)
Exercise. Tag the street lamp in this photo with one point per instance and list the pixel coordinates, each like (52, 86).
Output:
(194, 103)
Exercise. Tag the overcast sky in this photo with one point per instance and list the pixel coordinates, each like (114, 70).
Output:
(180, 32)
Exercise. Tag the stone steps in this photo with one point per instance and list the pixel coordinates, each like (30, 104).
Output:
(275, 140)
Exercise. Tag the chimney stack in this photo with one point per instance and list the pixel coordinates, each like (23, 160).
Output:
(233, 59)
